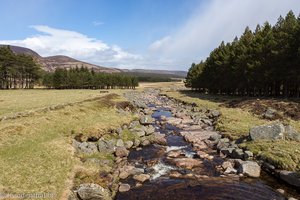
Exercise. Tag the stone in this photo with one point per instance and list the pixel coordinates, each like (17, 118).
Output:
(215, 137)
(128, 144)
(72, 196)
(90, 191)
(140, 133)
(291, 134)
(226, 164)
(120, 143)
(121, 152)
(158, 138)
(230, 170)
(187, 163)
(202, 154)
(273, 131)
(175, 174)
(85, 147)
(149, 130)
(237, 153)
(106, 146)
(174, 121)
(292, 178)
(136, 142)
(124, 187)
(270, 113)
(175, 154)
(248, 154)
(215, 113)
(141, 177)
(250, 168)
(146, 120)
(281, 191)
(146, 143)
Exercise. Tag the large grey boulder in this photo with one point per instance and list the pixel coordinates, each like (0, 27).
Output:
(267, 132)
(85, 147)
(249, 168)
(291, 134)
(90, 191)
(292, 178)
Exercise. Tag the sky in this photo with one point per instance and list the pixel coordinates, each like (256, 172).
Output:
(143, 34)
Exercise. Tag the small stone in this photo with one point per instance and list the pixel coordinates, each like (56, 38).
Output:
(281, 191)
(226, 164)
(175, 174)
(230, 170)
(141, 177)
(121, 152)
(136, 142)
(89, 191)
(128, 144)
(124, 187)
(120, 143)
(146, 143)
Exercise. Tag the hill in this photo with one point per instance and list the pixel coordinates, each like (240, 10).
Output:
(53, 62)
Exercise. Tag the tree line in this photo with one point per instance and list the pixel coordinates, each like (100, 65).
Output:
(83, 78)
(17, 70)
(263, 62)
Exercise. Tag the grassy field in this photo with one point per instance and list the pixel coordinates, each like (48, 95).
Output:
(35, 152)
(236, 122)
(12, 101)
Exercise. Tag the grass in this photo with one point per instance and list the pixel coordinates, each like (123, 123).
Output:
(36, 154)
(282, 154)
(12, 101)
(236, 122)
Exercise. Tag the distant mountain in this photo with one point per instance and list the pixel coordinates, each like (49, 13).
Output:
(177, 74)
(53, 62)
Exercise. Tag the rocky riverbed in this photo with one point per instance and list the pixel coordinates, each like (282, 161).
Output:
(173, 152)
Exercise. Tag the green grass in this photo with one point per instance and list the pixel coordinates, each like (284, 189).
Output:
(36, 154)
(282, 154)
(236, 122)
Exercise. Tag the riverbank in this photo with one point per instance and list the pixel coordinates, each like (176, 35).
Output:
(36, 154)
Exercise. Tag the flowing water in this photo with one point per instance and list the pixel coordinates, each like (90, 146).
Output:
(208, 184)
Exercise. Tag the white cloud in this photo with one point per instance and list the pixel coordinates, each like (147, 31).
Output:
(216, 21)
(52, 41)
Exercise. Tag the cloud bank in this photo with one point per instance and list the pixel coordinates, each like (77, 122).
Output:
(52, 41)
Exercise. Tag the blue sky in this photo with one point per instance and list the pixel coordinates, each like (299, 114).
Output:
(157, 34)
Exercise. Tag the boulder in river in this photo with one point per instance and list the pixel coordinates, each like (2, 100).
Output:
(158, 138)
(90, 191)
(141, 177)
(187, 163)
(273, 131)
(124, 187)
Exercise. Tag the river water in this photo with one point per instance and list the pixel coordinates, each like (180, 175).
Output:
(209, 184)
